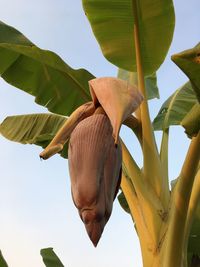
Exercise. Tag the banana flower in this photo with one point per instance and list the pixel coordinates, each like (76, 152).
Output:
(95, 156)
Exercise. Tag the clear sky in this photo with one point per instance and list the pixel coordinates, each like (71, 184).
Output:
(36, 209)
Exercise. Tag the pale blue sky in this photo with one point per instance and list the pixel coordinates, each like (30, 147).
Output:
(35, 199)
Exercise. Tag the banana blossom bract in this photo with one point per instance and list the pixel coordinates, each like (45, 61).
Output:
(95, 156)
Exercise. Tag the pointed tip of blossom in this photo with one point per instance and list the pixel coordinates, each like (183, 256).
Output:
(94, 230)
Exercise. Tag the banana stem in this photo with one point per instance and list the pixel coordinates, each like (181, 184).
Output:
(164, 162)
(152, 208)
(151, 157)
(193, 204)
(138, 218)
(131, 197)
(134, 124)
(178, 215)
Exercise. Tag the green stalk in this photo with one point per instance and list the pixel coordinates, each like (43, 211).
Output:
(134, 205)
(133, 170)
(134, 81)
(152, 208)
(174, 245)
(193, 204)
(137, 215)
(152, 168)
(135, 125)
(164, 162)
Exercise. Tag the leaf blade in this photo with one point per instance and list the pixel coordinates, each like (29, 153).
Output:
(3, 263)
(38, 129)
(123, 202)
(189, 62)
(191, 122)
(50, 258)
(175, 107)
(41, 73)
(150, 82)
(112, 23)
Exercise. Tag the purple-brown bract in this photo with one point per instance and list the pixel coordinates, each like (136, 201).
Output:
(95, 170)
(95, 156)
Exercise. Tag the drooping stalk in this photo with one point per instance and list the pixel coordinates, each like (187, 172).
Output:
(152, 167)
(174, 245)
(133, 123)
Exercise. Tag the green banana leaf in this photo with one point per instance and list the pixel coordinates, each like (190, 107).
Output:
(123, 203)
(41, 73)
(113, 25)
(150, 82)
(50, 259)
(175, 108)
(38, 129)
(191, 122)
(2, 261)
(189, 62)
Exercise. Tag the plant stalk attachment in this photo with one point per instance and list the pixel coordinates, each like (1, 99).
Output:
(164, 162)
(151, 206)
(193, 204)
(152, 166)
(138, 217)
(175, 236)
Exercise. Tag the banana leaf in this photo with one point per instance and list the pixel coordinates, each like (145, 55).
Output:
(41, 73)
(2, 261)
(191, 122)
(150, 82)
(113, 26)
(123, 203)
(37, 129)
(50, 259)
(175, 108)
(189, 62)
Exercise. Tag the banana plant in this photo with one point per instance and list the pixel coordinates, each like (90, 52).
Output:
(87, 114)
(49, 258)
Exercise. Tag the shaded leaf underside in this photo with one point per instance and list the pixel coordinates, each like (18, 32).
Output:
(2, 261)
(150, 82)
(175, 108)
(113, 22)
(50, 259)
(123, 202)
(41, 73)
(191, 122)
(38, 129)
(189, 62)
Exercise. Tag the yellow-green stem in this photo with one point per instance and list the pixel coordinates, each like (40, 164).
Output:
(174, 245)
(193, 204)
(152, 208)
(164, 162)
(133, 123)
(136, 213)
(152, 167)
